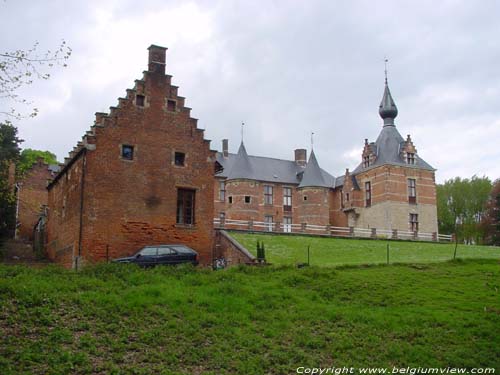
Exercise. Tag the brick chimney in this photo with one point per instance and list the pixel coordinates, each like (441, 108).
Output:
(301, 157)
(225, 148)
(156, 61)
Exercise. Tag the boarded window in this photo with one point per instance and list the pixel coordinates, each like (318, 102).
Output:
(185, 206)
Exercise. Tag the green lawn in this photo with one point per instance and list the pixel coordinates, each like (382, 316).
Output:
(286, 249)
(119, 319)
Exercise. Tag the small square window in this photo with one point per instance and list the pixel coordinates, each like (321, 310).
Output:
(230, 200)
(127, 152)
(247, 199)
(305, 197)
(139, 100)
(179, 159)
(171, 105)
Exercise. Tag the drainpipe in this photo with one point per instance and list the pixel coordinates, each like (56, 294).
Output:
(82, 187)
(17, 185)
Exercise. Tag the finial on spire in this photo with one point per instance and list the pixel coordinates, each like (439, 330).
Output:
(386, 60)
(312, 140)
(242, 127)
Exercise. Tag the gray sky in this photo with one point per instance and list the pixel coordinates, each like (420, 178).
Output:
(285, 68)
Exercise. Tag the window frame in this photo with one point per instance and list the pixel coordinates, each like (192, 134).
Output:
(269, 222)
(181, 156)
(287, 199)
(140, 100)
(368, 193)
(268, 194)
(413, 220)
(412, 190)
(122, 152)
(410, 158)
(222, 191)
(186, 206)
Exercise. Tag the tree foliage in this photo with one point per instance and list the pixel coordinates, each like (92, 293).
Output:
(461, 207)
(492, 220)
(20, 68)
(28, 157)
(9, 153)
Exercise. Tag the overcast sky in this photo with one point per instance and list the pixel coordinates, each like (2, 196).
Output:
(285, 68)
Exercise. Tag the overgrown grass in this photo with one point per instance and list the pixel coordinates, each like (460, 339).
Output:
(285, 249)
(119, 319)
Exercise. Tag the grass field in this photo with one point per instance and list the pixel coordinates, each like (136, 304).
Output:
(282, 249)
(119, 319)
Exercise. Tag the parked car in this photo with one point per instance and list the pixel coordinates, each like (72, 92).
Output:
(155, 255)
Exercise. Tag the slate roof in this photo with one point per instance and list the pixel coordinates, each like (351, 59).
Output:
(387, 147)
(244, 166)
(313, 175)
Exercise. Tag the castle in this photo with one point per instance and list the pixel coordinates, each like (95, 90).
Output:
(392, 189)
(144, 175)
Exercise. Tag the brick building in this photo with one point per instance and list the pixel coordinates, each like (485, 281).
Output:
(31, 192)
(142, 175)
(392, 188)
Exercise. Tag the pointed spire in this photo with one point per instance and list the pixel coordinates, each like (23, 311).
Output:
(242, 168)
(313, 176)
(387, 109)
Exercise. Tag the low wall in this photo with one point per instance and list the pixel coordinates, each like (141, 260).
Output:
(231, 250)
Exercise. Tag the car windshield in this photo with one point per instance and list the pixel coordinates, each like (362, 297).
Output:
(182, 250)
(148, 251)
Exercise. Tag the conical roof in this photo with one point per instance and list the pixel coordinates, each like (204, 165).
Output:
(387, 109)
(313, 176)
(242, 168)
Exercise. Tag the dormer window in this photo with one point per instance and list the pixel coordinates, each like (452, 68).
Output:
(366, 161)
(410, 158)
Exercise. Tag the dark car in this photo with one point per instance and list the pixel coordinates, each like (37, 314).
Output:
(150, 256)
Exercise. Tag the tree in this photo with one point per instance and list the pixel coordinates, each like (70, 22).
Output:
(28, 157)
(461, 207)
(20, 68)
(492, 220)
(9, 153)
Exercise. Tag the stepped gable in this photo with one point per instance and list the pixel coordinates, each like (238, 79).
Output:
(103, 120)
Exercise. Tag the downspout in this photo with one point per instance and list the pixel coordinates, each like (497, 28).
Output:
(18, 189)
(82, 188)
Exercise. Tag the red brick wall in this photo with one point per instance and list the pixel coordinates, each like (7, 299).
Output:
(31, 196)
(315, 209)
(63, 218)
(132, 203)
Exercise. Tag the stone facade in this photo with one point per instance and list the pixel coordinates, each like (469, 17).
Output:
(142, 175)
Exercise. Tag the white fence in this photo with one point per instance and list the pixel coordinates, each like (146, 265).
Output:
(328, 230)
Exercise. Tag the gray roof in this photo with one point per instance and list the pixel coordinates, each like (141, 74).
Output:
(54, 168)
(387, 147)
(313, 175)
(244, 166)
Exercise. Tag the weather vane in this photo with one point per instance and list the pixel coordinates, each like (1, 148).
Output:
(312, 140)
(242, 125)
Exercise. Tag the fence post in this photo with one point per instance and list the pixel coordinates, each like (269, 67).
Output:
(222, 222)
(250, 225)
(278, 224)
(329, 230)
(303, 227)
(351, 231)
(415, 235)
(434, 236)
(374, 233)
